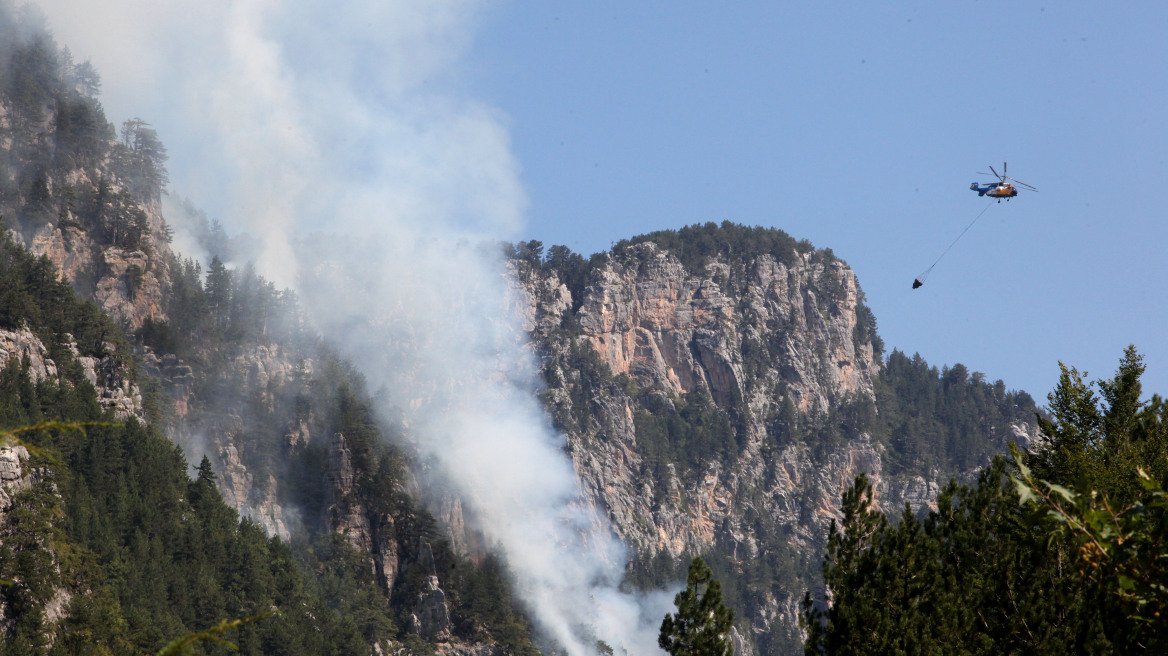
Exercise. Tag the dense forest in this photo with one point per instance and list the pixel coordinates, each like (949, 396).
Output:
(215, 316)
(141, 553)
(116, 528)
(1057, 550)
(119, 546)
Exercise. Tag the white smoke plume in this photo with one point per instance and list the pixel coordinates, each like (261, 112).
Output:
(341, 134)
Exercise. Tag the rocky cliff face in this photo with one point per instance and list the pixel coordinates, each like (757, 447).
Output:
(255, 381)
(128, 284)
(22, 344)
(774, 345)
(366, 532)
(650, 357)
(674, 332)
(88, 202)
(113, 381)
(648, 318)
(13, 477)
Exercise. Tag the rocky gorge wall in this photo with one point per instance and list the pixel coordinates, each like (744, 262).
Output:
(773, 344)
(674, 332)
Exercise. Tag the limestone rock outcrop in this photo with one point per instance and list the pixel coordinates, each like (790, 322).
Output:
(21, 344)
(109, 376)
(129, 284)
(431, 616)
(782, 333)
(431, 620)
(772, 343)
(367, 532)
(16, 477)
(13, 477)
(649, 318)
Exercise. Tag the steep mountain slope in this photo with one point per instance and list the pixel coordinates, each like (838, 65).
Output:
(719, 396)
(718, 387)
(105, 543)
(285, 431)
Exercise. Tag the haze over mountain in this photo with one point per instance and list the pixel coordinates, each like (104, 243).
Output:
(439, 441)
(859, 130)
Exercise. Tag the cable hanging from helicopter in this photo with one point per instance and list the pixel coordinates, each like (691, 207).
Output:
(999, 190)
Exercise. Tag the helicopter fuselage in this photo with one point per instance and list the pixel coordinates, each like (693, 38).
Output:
(999, 190)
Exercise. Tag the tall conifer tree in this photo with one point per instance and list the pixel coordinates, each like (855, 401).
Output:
(701, 625)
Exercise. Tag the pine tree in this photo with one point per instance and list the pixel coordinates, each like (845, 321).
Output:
(701, 625)
(1076, 569)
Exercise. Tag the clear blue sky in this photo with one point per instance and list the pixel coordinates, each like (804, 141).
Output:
(859, 126)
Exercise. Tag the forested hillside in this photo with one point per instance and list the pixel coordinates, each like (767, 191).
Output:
(718, 387)
(106, 544)
(109, 541)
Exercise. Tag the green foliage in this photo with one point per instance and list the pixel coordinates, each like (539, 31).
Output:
(484, 607)
(1125, 549)
(695, 245)
(178, 645)
(27, 562)
(929, 420)
(865, 330)
(55, 124)
(701, 625)
(160, 553)
(1100, 442)
(950, 419)
(1099, 477)
(82, 133)
(687, 431)
(115, 213)
(971, 577)
(142, 160)
(32, 77)
(823, 432)
(234, 311)
(1067, 563)
(570, 268)
(584, 375)
(33, 294)
(230, 311)
(150, 556)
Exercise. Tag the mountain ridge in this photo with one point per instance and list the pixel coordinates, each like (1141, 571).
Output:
(731, 400)
(717, 386)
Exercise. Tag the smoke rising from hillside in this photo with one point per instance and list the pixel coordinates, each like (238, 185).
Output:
(339, 133)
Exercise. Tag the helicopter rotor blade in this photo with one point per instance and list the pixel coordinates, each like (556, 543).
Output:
(1023, 184)
(1004, 173)
(996, 173)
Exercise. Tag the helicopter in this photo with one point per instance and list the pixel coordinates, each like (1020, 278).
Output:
(1002, 188)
